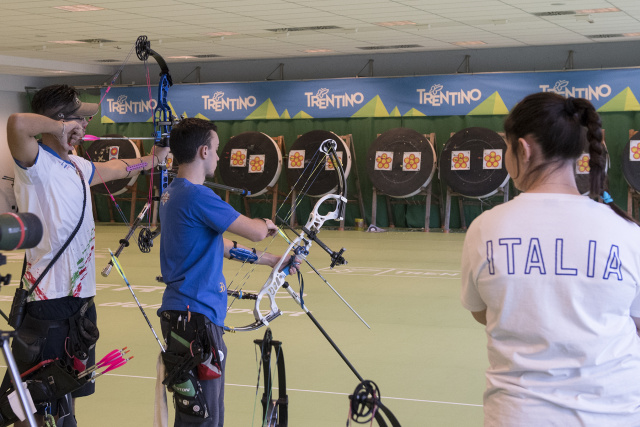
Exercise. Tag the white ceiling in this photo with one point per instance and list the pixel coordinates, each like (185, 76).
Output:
(272, 29)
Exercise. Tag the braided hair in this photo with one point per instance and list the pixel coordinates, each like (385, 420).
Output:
(563, 128)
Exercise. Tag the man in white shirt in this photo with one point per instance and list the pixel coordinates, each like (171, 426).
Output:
(54, 185)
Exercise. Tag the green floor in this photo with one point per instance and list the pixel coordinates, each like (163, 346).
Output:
(424, 351)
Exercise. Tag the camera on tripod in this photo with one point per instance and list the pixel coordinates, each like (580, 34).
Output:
(17, 231)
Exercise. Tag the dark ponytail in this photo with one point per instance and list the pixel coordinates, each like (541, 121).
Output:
(564, 128)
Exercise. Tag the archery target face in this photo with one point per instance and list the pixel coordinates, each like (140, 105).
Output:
(329, 166)
(263, 162)
(256, 163)
(582, 164)
(105, 150)
(411, 161)
(461, 160)
(114, 152)
(238, 158)
(634, 151)
(169, 161)
(492, 158)
(383, 161)
(296, 159)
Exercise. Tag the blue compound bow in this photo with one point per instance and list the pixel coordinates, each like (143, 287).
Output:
(163, 121)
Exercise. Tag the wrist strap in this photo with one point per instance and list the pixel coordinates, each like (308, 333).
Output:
(235, 246)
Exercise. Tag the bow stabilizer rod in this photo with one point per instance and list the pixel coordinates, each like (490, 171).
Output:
(125, 242)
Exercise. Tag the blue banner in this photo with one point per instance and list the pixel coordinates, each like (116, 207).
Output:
(440, 95)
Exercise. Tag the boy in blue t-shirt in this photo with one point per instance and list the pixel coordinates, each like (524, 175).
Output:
(192, 250)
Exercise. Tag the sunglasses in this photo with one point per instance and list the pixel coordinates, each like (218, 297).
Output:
(79, 119)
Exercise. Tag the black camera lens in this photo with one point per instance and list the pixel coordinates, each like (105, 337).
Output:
(19, 231)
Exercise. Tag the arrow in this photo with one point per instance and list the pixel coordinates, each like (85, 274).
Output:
(111, 359)
(110, 138)
(112, 367)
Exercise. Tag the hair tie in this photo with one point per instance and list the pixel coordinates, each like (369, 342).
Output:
(606, 198)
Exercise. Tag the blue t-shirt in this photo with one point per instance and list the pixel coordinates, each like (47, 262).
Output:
(193, 219)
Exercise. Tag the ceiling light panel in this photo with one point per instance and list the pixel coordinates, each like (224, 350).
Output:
(600, 10)
(79, 8)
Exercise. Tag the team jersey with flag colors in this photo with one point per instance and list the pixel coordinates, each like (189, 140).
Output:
(52, 190)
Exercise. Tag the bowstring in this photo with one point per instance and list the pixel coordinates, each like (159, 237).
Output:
(316, 162)
(117, 73)
(153, 149)
(305, 187)
(113, 199)
(111, 83)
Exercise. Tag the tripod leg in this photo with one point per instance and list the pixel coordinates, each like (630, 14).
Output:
(15, 376)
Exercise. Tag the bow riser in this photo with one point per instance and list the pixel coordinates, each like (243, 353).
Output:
(275, 281)
(316, 220)
(301, 246)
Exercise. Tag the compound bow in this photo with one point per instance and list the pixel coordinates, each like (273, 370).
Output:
(299, 247)
(163, 121)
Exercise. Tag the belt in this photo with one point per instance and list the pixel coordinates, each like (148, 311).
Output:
(42, 326)
(181, 318)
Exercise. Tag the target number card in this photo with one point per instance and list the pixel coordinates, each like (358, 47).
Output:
(634, 150)
(296, 159)
(411, 161)
(329, 166)
(582, 164)
(492, 158)
(238, 158)
(113, 152)
(384, 161)
(256, 163)
(460, 160)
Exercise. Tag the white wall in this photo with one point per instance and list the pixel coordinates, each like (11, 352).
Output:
(12, 100)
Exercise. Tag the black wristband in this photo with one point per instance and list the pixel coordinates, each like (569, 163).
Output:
(235, 246)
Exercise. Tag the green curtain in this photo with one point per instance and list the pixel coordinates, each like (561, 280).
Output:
(364, 131)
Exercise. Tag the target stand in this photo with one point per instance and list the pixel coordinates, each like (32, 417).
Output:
(631, 171)
(472, 168)
(253, 161)
(104, 150)
(323, 178)
(401, 163)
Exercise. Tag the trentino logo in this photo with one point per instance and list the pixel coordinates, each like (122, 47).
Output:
(218, 102)
(122, 106)
(590, 92)
(323, 100)
(436, 97)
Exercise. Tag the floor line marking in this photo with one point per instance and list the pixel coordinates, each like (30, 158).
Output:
(321, 392)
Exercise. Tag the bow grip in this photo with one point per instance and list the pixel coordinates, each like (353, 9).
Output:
(287, 268)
